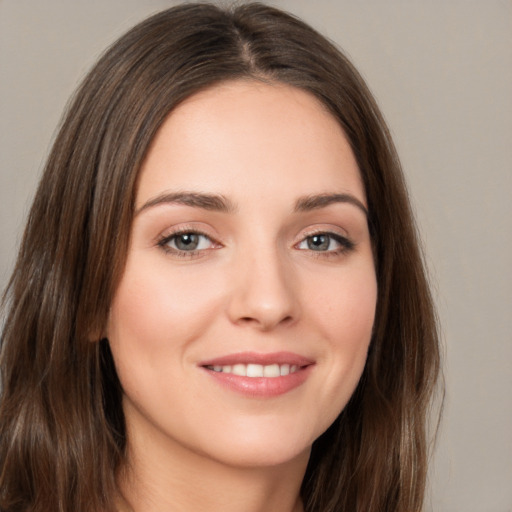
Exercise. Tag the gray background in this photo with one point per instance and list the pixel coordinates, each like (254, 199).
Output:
(442, 73)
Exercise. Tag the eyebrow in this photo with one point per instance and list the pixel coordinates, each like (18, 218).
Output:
(315, 202)
(212, 202)
(220, 203)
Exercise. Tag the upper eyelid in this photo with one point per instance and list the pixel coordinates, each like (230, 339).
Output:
(163, 243)
(186, 228)
(184, 231)
(336, 236)
(165, 239)
(323, 230)
(335, 231)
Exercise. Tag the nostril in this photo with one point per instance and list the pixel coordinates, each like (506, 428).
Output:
(263, 301)
(266, 323)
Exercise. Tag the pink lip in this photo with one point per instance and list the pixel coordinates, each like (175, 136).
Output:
(260, 387)
(257, 358)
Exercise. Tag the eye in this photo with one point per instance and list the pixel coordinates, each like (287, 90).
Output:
(186, 242)
(325, 242)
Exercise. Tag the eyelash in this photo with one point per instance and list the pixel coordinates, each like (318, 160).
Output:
(345, 245)
(165, 240)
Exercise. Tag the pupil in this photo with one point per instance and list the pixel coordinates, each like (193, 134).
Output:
(318, 242)
(187, 241)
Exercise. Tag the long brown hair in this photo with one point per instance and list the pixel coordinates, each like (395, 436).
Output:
(62, 435)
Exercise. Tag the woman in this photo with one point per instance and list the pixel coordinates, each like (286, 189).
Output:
(219, 301)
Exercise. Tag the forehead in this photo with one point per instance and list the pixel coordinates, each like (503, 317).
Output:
(249, 137)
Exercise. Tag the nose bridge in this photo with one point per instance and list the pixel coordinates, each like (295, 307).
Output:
(263, 291)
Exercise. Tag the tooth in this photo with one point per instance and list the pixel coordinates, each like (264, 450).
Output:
(254, 370)
(285, 369)
(271, 370)
(239, 369)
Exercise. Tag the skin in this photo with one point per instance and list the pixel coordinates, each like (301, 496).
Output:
(255, 283)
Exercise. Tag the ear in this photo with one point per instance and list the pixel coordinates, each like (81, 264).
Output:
(99, 329)
(96, 337)
(97, 333)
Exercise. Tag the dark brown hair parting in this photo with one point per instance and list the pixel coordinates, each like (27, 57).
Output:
(62, 436)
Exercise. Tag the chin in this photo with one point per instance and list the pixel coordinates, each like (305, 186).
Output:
(260, 444)
(261, 455)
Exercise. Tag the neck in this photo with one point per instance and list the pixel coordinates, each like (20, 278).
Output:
(158, 478)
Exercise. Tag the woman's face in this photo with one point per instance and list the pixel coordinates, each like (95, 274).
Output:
(241, 324)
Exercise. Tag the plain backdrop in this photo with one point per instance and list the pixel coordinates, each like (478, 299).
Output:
(442, 74)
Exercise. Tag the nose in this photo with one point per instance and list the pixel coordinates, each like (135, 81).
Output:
(263, 291)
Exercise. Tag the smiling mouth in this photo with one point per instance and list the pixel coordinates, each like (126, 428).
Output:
(256, 370)
(260, 376)
(256, 375)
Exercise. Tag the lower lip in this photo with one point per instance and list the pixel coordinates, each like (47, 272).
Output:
(261, 387)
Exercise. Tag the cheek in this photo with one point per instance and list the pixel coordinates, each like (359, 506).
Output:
(156, 315)
(345, 308)
(153, 306)
(345, 315)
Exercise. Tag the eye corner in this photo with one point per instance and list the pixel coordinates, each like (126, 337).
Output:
(194, 243)
(325, 243)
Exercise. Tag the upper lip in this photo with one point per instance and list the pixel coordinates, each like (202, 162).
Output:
(258, 358)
